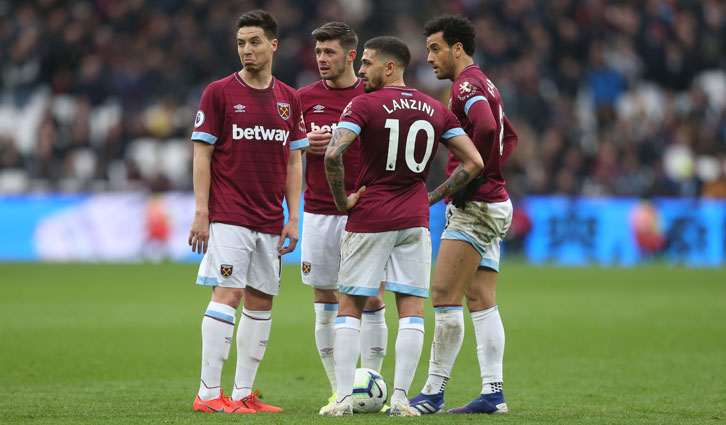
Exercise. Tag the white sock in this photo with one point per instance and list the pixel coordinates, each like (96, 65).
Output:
(448, 336)
(346, 351)
(489, 333)
(252, 335)
(374, 338)
(325, 315)
(217, 331)
(408, 352)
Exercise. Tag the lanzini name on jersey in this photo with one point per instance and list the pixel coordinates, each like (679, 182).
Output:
(409, 104)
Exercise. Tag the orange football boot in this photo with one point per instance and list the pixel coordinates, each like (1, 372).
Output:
(220, 404)
(251, 402)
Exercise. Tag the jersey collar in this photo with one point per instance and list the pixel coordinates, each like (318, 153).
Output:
(239, 80)
(327, 87)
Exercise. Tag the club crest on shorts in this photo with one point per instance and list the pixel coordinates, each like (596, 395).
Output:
(306, 268)
(284, 110)
(225, 270)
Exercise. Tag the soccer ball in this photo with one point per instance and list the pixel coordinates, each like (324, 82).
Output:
(370, 392)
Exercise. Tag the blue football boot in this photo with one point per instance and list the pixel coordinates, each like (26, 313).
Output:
(486, 403)
(429, 404)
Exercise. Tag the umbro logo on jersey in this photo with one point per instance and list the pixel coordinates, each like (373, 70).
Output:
(318, 108)
(259, 132)
(239, 108)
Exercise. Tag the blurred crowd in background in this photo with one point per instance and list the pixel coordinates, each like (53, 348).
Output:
(610, 98)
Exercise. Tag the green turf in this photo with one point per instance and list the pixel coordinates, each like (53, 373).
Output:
(121, 344)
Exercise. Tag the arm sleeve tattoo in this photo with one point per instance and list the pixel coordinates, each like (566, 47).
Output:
(456, 181)
(334, 170)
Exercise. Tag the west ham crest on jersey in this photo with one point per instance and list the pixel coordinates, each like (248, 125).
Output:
(306, 268)
(284, 110)
(225, 270)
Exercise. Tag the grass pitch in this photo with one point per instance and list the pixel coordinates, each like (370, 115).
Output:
(121, 344)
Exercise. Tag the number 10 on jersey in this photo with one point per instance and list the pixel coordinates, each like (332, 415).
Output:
(413, 130)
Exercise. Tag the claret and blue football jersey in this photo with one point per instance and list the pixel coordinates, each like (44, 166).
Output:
(253, 131)
(470, 88)
(400, 129)
(322, 106)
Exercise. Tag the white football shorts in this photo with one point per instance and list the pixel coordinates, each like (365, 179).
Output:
(400, 257)
(238, 257)
(322, 236)
(483, 225)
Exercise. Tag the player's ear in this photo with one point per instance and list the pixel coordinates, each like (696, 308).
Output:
(390, 68)
(274, 44)
(351, 55)
(458, 48)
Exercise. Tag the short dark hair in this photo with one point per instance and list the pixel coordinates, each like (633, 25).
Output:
(340, 31)
(390, 47)
(259, 18)
(455, 28)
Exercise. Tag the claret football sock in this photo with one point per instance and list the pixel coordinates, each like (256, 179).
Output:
(346, 351)
(217, 331)
(489, 333)
(448, 336)
(252, 335)
(409, 343)
(325, 314)
(374, 338)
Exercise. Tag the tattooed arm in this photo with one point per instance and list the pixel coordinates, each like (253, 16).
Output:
(470, 167)
(334, 170)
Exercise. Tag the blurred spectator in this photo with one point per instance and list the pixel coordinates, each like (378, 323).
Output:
(609, 98)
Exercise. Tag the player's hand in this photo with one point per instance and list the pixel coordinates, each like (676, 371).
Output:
(290, 231)
(199, 233)
(460, 197)
(319, 140)
(353, 198)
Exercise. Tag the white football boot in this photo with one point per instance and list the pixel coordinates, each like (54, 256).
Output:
(403, 408)
(341, 408)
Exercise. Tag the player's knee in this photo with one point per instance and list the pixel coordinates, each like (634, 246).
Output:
(374, 303)
(229, 296)
(409, 305)
(327, 296)
(256, 300)
(478, 302)
(442, 295)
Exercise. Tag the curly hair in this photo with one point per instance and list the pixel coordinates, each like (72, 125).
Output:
(455, 28)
